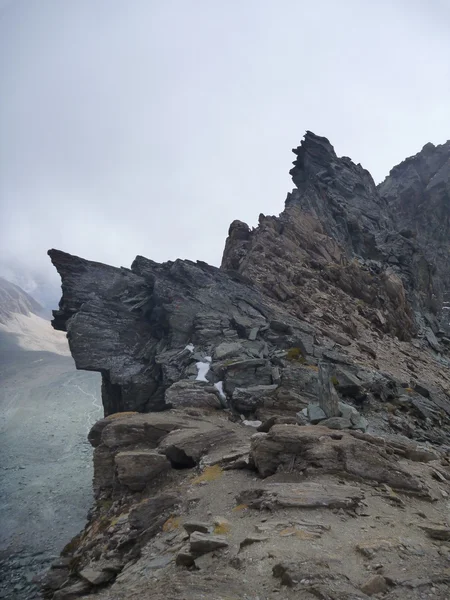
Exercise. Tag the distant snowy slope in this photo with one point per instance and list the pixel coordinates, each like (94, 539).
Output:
(21, 321)
(14, 299)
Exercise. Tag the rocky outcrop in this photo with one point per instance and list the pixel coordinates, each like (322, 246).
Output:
(337, 239)
(132, 450)
(317, 276)
(151, 326)
(155, 517)
(307, 373)
(418, 193)
(313, 449)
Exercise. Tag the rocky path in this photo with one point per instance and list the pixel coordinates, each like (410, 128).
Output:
(295, 511)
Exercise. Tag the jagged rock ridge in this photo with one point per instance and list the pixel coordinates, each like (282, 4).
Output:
(418, 193)
(321, 323)
(334, 244)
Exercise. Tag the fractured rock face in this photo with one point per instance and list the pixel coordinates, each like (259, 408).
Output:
(151, 511)
(192, 393)
(136, 326)
(132, 450)
(317, 449)
(311, 314)
(136, 468)
(328, 397)
(418, 192)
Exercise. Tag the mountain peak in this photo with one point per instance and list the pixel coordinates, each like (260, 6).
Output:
(14, 299)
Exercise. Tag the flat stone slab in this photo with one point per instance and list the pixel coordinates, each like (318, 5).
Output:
(191, 526)
(315, 413)
(301, 495)
(201, 543)
(326, 451)
(437, 532)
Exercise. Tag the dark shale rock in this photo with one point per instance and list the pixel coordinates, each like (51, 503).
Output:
(201, 543)
(418, 192)
(117, 321)
(300, 314)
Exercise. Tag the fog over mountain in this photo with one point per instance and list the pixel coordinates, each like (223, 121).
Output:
(122, 121)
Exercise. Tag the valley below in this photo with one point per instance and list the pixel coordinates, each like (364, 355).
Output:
(46, 409)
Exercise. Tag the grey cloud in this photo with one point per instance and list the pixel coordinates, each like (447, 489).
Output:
(146, 127)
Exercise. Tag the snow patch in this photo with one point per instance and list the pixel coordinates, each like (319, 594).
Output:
(35, 333)
(202, 368)
(190, 347)
(219, 388)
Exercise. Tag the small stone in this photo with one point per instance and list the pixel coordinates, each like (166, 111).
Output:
(227, 349)
(96, 576)
(252, 539)
(315, 413)
(347, 411)
(437, 532)
(192, 394)
(328, 397)
(236, 562)
(336, 423)
(253, 333)
(254, 424)
(375, 585)
(359, 422)
(437, 475)
(191, 526)
(201, 543)
(369, 549)
(421, 454)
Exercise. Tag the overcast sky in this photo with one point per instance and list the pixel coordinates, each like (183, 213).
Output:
(146, 126)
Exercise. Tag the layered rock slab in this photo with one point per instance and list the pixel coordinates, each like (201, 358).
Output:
(305, 495)
(315, 449)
